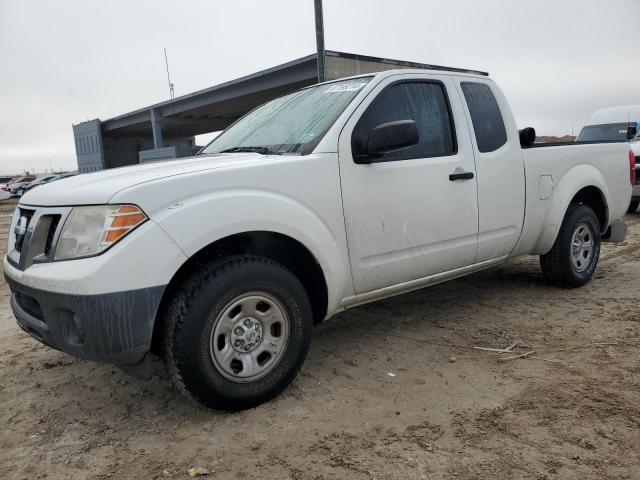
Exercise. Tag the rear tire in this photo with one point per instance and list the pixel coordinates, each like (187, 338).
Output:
(236, 334)
(633, 206)
(575, 253)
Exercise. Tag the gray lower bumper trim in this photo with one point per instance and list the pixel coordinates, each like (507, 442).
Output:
(113, 328)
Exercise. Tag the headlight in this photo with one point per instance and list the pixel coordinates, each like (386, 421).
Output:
(91, 230)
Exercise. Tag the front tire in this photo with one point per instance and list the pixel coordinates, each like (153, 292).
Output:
(575, 253)
(236, 334)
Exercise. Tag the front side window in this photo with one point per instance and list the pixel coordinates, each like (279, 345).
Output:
(485, 116)
(423, 102)
(293, 124)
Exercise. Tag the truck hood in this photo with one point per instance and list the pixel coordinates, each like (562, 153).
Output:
(99, 187)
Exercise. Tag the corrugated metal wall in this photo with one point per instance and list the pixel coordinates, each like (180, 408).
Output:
(89, 148)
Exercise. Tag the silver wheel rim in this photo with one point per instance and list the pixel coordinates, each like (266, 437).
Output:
(249, 337)
(582, 247)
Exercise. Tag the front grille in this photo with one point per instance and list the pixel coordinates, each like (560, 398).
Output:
(55, 220)
(28, 215)
(41, 234)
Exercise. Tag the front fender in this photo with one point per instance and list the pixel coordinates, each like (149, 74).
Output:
(574, 180)
(198, 221)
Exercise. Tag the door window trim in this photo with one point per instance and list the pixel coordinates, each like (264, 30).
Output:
(452, 122)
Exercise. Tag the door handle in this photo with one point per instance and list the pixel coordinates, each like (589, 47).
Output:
(461, 176)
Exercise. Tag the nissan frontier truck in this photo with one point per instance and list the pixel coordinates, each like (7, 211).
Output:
(333, 196)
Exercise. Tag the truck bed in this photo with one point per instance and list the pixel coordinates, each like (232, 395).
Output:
(560, 171)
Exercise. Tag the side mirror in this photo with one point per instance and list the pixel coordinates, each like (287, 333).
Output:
(389, 137)
(527, 137)
(631, 132)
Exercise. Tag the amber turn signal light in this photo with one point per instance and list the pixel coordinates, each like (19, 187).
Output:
(125, 219)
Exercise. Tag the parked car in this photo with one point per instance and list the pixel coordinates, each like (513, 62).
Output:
(5, 180)
(19, 190)
(16, 182)
(617, 124)
(43, 180)
(337, 195)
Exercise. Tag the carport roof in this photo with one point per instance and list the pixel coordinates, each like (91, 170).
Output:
(214, 108)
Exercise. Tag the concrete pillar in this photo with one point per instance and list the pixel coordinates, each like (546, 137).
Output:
(156, 127)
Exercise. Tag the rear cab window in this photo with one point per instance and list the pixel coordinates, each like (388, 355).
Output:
(486, 117)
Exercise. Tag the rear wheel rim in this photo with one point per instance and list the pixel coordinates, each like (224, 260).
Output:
(249, 337)
(582, 247)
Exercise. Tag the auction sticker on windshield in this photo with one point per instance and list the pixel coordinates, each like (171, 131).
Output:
(345, 87)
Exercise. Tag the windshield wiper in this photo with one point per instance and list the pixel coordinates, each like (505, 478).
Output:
(260, 150)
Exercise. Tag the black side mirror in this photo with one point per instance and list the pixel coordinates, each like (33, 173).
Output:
(631, 132)
(389, 137)
(527, 137)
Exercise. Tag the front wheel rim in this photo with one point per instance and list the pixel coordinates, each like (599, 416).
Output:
(249, 337)
(582, 247)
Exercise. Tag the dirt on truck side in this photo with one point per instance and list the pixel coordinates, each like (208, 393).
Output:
(394, 389)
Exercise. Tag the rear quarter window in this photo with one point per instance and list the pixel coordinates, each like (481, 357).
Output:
(486, 117)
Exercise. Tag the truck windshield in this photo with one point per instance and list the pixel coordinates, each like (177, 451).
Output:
(604, 133)
(293, 124)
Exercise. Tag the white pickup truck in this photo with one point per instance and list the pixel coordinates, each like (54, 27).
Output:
(339, 194)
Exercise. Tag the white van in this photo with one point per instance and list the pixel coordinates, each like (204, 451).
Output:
(612, 124)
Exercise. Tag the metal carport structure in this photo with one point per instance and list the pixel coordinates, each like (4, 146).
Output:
(167, 129)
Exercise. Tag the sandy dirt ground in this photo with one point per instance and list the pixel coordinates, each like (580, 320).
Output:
(569, 411)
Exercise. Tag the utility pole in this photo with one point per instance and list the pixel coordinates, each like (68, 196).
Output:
(320, 40)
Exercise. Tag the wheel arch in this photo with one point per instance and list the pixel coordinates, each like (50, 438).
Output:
(276, 246)
(593, 198)
(583, 184)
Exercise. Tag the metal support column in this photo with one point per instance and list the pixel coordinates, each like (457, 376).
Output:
(320, 40)
(156, 128)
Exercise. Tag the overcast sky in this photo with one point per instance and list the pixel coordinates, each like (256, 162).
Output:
(65, 61)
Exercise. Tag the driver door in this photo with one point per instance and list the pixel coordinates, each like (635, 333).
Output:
(411, 213)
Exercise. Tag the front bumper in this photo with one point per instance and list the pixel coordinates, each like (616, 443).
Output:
(100, 308)
(113, 328)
